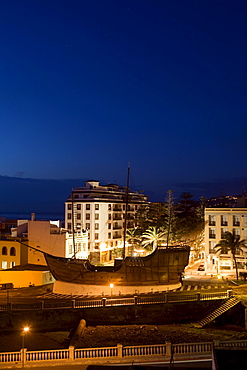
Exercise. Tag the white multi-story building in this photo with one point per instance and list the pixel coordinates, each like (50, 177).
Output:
(217, 222)
(100, 209)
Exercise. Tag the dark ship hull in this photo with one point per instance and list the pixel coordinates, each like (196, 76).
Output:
(163, 266)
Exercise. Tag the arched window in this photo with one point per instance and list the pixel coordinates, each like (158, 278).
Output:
(12, 251)
(4, 251)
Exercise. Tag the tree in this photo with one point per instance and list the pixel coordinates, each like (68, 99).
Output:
(153, 236)
(170, 217)
(231, 243)
(133, 239)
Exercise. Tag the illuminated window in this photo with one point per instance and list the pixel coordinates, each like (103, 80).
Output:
(12, 251)
(96, 226)
(12, 264)
(236, 220)
(96, 216)
(96, 236)
(96, 246)
(96, 207)
(88, 226)
(224, 220)
(4, 265)
(4, 251)
(109, 207)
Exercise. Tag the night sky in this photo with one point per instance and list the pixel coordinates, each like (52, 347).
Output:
(87, 86)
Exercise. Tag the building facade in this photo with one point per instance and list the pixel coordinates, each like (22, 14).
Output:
(100, 210)
(217, 222)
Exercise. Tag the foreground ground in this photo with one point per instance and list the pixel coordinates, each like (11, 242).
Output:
(106, 336)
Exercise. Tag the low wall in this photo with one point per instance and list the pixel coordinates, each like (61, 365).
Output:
(61, 287)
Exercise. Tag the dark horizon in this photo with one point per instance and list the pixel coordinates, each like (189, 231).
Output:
(23, 195)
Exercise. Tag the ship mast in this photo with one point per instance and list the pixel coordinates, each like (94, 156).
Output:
(126, 211)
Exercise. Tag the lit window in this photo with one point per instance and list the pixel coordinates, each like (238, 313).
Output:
(96, 236)
(96, 216)
(88, 226)
(96, 226)
(4, 265)
(12, 264)
(96, 207)
(96, 246)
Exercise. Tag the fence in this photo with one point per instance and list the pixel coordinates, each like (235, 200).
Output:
(105, 302)
(155, 353)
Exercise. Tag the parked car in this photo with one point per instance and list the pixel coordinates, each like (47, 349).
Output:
(201, 268)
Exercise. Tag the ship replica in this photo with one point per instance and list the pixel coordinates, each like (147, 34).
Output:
(163, 266)
(161, 270)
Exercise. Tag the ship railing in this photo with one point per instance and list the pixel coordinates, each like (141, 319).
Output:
(156, 352)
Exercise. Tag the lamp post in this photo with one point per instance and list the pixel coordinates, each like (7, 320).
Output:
(25, 330)
(111, 286)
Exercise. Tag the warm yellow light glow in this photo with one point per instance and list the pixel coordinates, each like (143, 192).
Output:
(219, 276)
(26, 329)
(103, 247)
(111, 286)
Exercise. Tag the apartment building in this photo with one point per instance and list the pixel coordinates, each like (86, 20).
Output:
(217, 222)
(100, 210)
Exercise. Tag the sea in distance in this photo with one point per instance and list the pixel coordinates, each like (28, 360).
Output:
(38, 216)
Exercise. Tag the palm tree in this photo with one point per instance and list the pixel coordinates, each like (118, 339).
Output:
(153, 236)
(232, 243)
(133, 239)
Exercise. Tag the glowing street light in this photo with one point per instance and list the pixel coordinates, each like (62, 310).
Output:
(24, 331)
(111, 286)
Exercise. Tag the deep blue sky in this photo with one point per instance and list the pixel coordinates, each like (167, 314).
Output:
(87, 86)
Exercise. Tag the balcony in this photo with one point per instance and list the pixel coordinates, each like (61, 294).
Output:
(117, 227)
(117, 236)
(117, 208)
(117, 216)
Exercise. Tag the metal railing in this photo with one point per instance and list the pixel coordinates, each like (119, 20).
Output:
(164, 298)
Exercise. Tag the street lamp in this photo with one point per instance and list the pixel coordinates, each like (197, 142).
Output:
(24, 331)
(111, 286)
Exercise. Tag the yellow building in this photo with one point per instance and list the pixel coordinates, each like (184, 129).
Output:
(17, 250)
(217, 222)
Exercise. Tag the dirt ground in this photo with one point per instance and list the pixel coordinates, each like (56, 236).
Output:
(106, 336)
